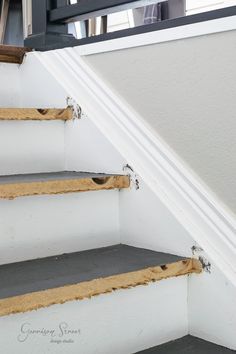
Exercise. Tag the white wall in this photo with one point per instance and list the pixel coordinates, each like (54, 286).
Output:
(185, 90)
(86, 149)
(145, 222)
(122, 322)
(212, 308)
(38, 88)
(196, 6)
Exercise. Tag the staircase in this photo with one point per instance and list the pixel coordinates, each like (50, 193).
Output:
(96, 294)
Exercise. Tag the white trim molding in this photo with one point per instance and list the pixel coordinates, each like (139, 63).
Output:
(206, 220)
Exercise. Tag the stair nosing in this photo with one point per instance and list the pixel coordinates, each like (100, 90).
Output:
(36, 114)
(52, 183)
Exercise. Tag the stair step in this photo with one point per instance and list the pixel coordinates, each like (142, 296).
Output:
(14, 186)
(12, 54)
(33, 284)
(188, 345)
(36, 113)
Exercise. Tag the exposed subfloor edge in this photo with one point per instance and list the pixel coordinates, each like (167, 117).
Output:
(12, 54)
(12, 191)
(36, 114)
(87, 289)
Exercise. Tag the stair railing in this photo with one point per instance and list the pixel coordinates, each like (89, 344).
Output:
(50, 19)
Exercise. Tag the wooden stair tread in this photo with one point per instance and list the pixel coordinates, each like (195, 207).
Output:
(188, 345)
(42, 282)
(12, 54)
(13, 186)
(36, 113)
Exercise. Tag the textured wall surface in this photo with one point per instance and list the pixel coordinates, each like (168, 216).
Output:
(186, 91)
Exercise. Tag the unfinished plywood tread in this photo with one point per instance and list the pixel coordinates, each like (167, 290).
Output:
(188, 345)
(36, 113)
(43, 282)
(58, 183)
(12, 54)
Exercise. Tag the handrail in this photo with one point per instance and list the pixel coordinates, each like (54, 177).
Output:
(50, 18)
(89, 8)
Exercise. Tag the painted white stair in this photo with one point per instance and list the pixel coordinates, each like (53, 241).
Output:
(125, 316)
(124, 321)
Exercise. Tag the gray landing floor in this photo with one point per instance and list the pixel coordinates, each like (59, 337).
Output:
(188, 345)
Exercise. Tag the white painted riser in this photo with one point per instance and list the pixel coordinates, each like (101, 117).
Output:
(122, 322)
(10, 85)
(41, 226)
(43, 146)
(28, 147)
